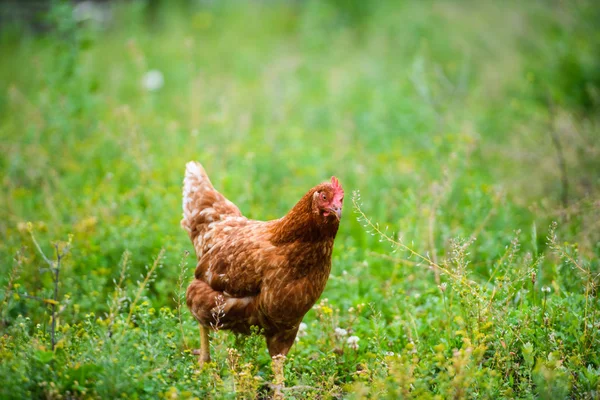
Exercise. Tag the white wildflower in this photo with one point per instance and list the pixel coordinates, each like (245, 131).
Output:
(90, 11)
(546, 289)
(153, 80)
(339, 332)
(302, 330)
(353, 342)
(389, 353)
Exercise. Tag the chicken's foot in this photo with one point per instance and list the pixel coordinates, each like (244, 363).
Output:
(204, 352)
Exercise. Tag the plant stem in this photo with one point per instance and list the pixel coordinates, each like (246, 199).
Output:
(56, 271)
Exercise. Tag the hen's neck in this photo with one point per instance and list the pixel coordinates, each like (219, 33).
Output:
(303, 224)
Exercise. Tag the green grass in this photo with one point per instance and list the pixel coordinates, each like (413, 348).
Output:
(447, 124)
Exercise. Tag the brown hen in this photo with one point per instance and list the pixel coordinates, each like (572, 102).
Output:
(255, 273)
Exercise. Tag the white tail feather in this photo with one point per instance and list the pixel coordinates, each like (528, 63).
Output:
(195, 183)
(202, 203)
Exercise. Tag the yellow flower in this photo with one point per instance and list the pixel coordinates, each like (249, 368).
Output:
(327, 310)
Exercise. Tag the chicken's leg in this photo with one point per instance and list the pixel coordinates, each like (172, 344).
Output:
(278, 362)
(204, 352)
(279, 345)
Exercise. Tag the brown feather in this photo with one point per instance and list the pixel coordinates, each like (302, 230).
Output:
(255, 273)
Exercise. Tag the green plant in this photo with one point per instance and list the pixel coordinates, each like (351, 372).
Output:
(467, 128)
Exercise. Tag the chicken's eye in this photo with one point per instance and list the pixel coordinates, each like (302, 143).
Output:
(323, 196)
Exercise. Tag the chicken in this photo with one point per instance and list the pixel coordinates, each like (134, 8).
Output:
(255, 273)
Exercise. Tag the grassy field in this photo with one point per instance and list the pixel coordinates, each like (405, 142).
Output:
(466, 135)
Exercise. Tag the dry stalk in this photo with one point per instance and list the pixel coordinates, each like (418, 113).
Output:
(374, 229)
(218, 312)
(54, 267)
(181, 293)
(118, 296)
(398, 243)
(142, 285)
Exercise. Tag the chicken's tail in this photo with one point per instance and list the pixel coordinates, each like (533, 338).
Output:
(202, 203)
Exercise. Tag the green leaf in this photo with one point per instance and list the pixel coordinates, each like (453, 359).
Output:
(44, 356)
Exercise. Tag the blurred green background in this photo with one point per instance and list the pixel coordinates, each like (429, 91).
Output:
(452, 119)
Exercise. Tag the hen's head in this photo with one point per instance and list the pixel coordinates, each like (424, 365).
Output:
(328, 199)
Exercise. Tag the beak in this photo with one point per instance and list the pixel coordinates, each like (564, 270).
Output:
(337, 211)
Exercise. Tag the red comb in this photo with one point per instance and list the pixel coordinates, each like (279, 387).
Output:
(339, 192)
(335, 183)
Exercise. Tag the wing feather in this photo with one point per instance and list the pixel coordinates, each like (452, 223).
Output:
(232, 260)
